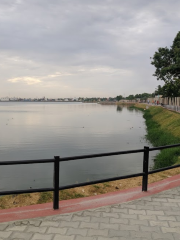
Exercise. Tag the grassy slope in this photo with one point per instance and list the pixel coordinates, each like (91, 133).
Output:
(163, 128)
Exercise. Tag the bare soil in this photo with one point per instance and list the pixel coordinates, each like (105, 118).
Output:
(92, 190)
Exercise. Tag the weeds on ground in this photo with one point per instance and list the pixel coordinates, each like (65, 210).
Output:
(160, 136)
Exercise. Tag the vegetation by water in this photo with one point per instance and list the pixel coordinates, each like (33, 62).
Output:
(163, 128)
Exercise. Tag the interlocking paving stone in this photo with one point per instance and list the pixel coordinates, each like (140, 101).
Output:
(57, 230)
(103, 209)
(172, 213)
(129, 227)
(119, 210)
(127, 216)
(138, 234)
(131, 206)
(81, 219)
(89, 225)
(36, 230)
(39, 236)
(49, 224)
(150, 229)
(138, 212)
(167, 218)
(4, 234)
(120, 220)
(104, 238)
(113, 215)
(20, 235)
(164, 236)
(138, 222)
(115, 233)
(63, 217)
(149, 218)
(109, 226)
(99, 220)
(3, 227)
(81, 232)
(16, 228)
(69, 224)
(92, 214)
(170, 229)
(98, 232)
(159, 199)
(35, 223)
(145, 207)
(176, 236)
(159, 213)
(85, 238)
(159, 223)
(62, 237)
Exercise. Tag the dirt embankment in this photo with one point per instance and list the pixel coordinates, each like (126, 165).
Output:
(35, 198)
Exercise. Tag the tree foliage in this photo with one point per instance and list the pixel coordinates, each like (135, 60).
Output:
(167, 63)
(118, 98)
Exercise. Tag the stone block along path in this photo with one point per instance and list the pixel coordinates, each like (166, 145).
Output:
(155, 216)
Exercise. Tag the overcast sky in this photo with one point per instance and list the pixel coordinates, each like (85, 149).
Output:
(72, 48)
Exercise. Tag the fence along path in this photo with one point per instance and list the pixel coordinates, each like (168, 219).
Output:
(171, 103)
(57, 160)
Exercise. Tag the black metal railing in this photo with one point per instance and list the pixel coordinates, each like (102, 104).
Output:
(56, 160)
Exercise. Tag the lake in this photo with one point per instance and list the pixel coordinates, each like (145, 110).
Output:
(35, 130)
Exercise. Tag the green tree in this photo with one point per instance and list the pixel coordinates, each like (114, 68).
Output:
(159, 90)
(118, 98)
(167, 63)
(130, 97)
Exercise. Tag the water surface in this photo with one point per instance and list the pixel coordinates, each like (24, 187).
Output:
(44, 130)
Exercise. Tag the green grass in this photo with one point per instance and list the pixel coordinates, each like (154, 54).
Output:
(45, 197)
(160, 136)
(65, 194)
(163, 128)
(106, 185)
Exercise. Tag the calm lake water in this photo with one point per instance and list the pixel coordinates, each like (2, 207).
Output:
(44, 130)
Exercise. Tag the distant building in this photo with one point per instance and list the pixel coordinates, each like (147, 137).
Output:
(13, 99)
(5, 99)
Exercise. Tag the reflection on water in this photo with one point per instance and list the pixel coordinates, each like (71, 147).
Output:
(45, 130)
(119, 108)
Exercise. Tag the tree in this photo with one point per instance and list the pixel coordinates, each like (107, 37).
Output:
(118, 98)
(167, 63)
(130, 97)
(159, 90)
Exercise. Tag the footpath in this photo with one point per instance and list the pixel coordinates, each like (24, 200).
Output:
(132, 215)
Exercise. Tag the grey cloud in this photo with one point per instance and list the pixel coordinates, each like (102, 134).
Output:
(54, 36)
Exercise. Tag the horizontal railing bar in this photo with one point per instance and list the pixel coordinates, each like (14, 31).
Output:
(100, 181)
(26, 191)
(163, 169)
(164, 147)
(83, 156)
(26, 162)
(100, 155)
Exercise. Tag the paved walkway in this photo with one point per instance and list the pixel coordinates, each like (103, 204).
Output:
(151, 217)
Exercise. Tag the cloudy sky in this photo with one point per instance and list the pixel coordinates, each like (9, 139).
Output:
(72, 48)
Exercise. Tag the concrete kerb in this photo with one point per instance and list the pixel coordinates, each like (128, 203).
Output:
(76, 205)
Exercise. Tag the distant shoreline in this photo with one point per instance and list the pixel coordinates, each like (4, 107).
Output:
(39, 101)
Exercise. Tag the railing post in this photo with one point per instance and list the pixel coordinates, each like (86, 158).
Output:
(56, 183)
(145, 169)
